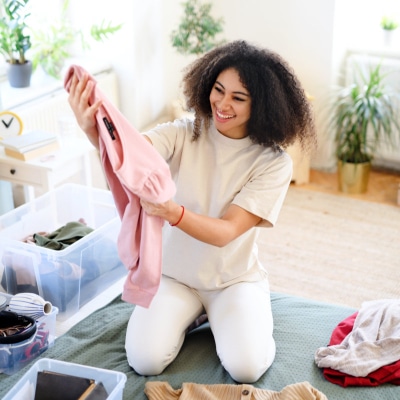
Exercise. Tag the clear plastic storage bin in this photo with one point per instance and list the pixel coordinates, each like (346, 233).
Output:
(15, 356)
(71, 277)
(113, 381)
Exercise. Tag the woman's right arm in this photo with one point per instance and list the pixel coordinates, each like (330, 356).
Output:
(78, 99)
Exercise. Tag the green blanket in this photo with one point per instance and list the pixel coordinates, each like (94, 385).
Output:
(301, 326)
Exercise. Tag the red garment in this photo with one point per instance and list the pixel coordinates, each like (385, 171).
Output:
(387, 374)
(134, 170)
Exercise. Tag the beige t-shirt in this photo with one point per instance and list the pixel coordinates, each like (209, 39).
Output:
(210, 174)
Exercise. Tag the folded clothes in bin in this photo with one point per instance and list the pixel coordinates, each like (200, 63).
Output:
(60, 279)
(62, 237)
(76, 273)
(67, 387)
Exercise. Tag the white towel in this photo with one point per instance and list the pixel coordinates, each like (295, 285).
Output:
(373, 343)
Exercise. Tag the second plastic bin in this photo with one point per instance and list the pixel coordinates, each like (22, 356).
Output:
(113, 381)
(71, 277)
(14, 357)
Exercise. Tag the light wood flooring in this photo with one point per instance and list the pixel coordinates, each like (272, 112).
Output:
(383, 186)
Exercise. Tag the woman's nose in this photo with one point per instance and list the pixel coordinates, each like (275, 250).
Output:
(224, 103)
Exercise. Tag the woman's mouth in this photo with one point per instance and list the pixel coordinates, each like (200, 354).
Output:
(222, 116)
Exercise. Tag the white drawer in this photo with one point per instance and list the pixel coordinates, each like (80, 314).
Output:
(20, 173)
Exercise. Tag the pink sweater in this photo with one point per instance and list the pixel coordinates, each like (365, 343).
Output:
(134, 170)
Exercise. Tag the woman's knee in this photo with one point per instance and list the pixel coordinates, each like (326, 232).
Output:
(148, 352)
(155, 335)
(246, 367)
(145, 361)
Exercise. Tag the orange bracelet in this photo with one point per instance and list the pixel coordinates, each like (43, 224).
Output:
(180, 218)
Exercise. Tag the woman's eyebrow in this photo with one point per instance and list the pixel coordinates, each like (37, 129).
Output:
(237, 92)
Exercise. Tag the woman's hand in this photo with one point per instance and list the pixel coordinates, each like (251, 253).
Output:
(79, 95)
(170, 211)
(215, 231)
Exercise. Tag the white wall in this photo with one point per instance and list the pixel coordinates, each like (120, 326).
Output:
(135, 52)
(301, 31)
(150, 69)
(313, 35)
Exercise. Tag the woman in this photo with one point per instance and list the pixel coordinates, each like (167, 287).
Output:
(232, 174)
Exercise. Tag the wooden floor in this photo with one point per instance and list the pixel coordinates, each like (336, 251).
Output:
(383, 186)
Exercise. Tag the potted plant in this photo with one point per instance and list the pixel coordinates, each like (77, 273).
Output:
(52, 42)
(389, 25)
(364, 114)
(195, 35)
(15, 41)
(197, 31)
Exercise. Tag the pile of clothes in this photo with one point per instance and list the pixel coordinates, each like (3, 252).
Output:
(364, 349)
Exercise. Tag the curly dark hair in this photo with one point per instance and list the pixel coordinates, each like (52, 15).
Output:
(280, 111)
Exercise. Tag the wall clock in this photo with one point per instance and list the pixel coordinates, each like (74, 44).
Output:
(10, 124)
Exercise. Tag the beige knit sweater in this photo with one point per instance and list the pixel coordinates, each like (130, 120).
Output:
(194, 391)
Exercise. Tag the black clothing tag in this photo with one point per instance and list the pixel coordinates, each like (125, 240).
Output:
(110, 127)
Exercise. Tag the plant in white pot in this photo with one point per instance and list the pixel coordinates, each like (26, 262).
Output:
(15, 41)
(364, 115)
(389, 26)
(195, 35)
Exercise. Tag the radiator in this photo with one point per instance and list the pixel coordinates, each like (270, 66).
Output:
(387, 156)
(49, 110)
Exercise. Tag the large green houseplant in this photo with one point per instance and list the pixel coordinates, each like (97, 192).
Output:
(53, 40)
(15, 41)
(364, 114)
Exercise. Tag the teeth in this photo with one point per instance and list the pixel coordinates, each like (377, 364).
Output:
(223, 116)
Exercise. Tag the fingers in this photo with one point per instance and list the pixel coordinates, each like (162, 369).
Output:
(76, 86)
(80, 90)
(96, 105)
(85, 88)
(79, 100)
(79, 97)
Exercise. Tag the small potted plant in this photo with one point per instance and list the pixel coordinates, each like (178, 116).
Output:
(389, 25)
(364, 114)
(15, 41)
(195, 35)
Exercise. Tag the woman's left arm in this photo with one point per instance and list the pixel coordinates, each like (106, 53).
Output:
(215, 231)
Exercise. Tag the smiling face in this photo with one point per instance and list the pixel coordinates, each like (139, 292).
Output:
(230, 104)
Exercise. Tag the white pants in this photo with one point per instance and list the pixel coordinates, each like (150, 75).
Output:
(240, 318)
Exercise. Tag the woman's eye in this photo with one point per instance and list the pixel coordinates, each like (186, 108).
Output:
(239, 99)
(218, 89)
